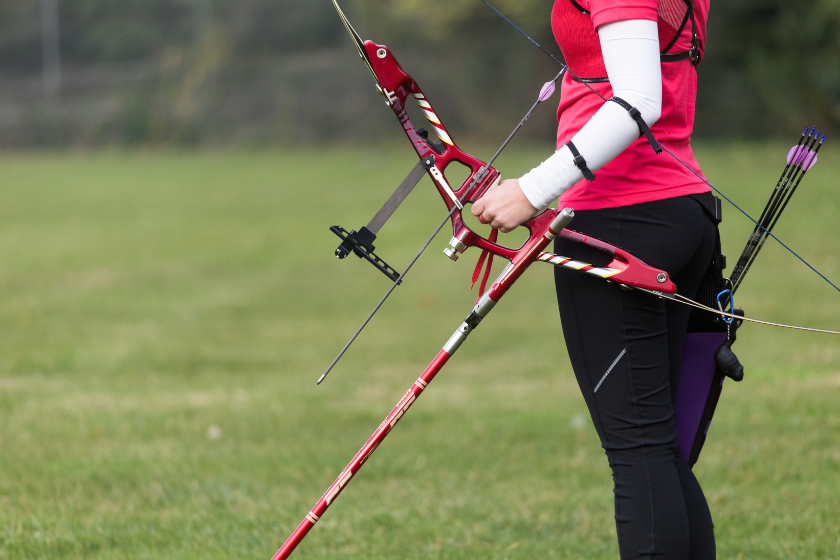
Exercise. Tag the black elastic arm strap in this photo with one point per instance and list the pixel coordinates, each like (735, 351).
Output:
(580, 162)
(644, 129)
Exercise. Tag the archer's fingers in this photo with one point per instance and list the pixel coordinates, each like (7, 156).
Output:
(498, 224)
(503, 226)
(484, 215)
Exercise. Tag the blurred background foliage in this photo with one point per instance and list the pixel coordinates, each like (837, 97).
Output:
(283, 72)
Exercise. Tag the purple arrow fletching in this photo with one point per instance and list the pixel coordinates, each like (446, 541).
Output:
(547, 91)
(802, 155)
(795, 154)
(809, 161)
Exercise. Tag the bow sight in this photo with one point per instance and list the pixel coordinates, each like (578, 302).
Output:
(361, 242)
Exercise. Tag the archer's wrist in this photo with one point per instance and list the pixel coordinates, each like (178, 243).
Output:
(546, 182)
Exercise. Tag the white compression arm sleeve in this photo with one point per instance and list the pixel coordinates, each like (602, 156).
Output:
(631, 56)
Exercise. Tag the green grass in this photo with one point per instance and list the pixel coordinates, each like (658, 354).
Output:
(146, 297)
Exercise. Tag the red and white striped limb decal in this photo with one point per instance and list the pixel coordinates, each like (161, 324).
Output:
(432, 117)
(557, 260)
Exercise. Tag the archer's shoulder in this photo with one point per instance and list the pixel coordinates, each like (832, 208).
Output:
(609, 11)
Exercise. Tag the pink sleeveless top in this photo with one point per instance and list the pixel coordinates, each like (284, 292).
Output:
(638, 174)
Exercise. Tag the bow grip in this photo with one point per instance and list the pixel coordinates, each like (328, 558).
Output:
(490, 178)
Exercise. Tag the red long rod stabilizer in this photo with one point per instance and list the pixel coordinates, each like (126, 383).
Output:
(524, 258)
(370, 446)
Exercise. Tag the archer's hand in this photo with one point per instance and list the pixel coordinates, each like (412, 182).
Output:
(504, 207)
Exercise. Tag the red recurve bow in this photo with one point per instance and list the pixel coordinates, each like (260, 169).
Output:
(398, 88)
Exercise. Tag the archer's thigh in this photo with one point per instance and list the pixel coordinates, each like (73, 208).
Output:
(618, 345)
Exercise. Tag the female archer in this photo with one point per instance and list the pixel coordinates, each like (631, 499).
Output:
(625, 346)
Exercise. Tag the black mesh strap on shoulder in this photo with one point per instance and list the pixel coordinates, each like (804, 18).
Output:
(580, 162)
(693, 54)
(644, 129)
(580, 8)
(675, 57)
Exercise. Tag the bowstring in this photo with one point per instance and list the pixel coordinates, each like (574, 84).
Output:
(741, 210)
(501, 15)
(673, 155)
(677, 298)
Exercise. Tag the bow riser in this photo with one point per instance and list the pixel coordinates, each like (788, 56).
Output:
(399, 88)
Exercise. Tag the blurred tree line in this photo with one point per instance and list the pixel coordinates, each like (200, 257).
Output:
(254, 72)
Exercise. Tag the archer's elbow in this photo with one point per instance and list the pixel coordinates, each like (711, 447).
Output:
(649, 103)
(651, 111)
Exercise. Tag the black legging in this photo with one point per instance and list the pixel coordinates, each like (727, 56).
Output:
(625, 347)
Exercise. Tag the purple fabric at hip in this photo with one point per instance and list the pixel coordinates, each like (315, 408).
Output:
(696, 375)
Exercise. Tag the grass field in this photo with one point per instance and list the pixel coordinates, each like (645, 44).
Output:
(165, 316)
